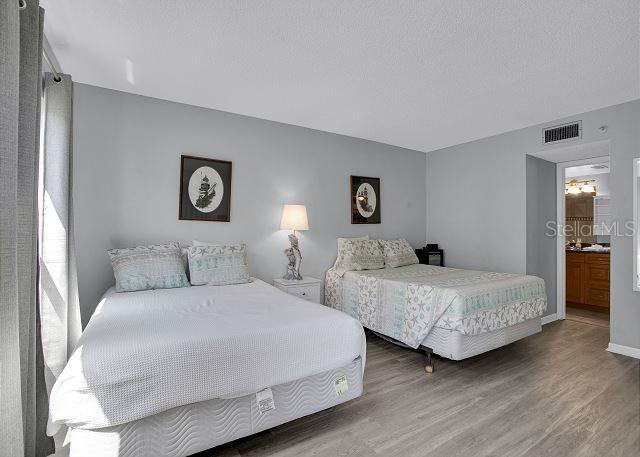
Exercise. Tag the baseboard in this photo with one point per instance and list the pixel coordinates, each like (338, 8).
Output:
(548, 319)
(624, 350)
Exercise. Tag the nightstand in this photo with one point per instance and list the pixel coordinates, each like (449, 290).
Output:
(308, 288)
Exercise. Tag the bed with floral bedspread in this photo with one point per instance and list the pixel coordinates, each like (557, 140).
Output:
(405, 303)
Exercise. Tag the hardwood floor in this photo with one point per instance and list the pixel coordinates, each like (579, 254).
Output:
(558, 393)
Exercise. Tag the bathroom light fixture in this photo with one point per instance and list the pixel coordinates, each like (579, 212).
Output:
(575, 187)
(573, 190)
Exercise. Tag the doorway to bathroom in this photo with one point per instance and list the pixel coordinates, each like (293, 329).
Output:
(587, 245)
(550, 235)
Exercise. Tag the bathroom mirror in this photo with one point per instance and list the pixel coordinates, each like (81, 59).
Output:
(636, 226)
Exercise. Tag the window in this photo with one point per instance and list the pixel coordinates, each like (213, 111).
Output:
(636, 224)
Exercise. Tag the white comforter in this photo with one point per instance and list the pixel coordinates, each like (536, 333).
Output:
(146, 352)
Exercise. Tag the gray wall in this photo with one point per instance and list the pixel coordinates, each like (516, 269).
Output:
(476, 203)
(126, 169)
(541, 207)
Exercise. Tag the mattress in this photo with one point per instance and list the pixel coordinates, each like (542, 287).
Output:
(406, 303)
(457, 346)
(146, 352)
(193, 428)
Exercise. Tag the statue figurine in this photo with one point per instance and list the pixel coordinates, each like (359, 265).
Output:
(295, 259)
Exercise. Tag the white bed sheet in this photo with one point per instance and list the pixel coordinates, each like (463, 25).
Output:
(146, 352)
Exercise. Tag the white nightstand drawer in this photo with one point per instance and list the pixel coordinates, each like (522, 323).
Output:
(311, 293)
(308, 288)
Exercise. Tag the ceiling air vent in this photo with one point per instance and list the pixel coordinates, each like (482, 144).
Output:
(562, 132)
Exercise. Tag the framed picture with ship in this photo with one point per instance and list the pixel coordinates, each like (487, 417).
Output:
(365, 200)
(205, 189)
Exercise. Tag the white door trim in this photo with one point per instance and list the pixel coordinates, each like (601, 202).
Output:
(561, 304)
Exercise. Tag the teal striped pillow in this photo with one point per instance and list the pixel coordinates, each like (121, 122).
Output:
(148, 267)
(218, 265)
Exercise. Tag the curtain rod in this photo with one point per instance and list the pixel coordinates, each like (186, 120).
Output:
(56, 75)
(22, 5)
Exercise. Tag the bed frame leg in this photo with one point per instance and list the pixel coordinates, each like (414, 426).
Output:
(428, 364)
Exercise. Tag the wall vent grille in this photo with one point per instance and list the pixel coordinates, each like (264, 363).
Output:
(562, 132)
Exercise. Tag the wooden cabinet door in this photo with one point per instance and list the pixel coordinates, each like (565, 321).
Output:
(596, 296)
(596, 280)
(574, 282)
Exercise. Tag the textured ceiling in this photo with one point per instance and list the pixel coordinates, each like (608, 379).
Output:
(418, 74)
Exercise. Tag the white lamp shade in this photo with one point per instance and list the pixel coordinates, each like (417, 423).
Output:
(294, 217)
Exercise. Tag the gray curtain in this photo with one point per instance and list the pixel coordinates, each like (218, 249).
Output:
(59, 306)
(20, 83)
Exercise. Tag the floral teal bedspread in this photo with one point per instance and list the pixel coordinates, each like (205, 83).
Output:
(405, 303)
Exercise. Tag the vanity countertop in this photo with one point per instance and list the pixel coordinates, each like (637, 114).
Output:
(588, 251)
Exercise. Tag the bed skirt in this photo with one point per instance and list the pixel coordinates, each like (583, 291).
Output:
(192, 428)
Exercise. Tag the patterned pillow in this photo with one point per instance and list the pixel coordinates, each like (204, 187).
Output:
(357, 255)
(355, 238)
(218, 265)
(148, 267)
(184, 254)
(398, 253)
(203, 243)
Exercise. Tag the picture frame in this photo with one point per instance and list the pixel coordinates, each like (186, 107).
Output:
(365, 200)
(205, 189)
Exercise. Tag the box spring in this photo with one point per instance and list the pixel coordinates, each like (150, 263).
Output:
(199, 426)
(456, 346)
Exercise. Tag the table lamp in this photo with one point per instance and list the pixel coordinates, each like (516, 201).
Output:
(294, 217)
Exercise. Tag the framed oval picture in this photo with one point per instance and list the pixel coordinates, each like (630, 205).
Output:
(205, 189)
(365, 200)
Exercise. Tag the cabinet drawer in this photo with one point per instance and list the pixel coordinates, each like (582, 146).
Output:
(575, 257)
(597, 272)
(311, 293)
(597, 297)
(600, 259)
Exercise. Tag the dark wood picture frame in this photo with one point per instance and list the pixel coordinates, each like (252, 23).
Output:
(187, 210)
(356, 216)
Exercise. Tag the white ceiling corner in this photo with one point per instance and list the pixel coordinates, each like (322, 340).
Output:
(422, 75)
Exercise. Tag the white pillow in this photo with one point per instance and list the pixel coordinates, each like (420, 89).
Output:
(355, 238)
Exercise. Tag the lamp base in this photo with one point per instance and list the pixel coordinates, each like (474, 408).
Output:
(295, 259)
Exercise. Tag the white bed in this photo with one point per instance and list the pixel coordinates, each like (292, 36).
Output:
(173, 372)
(451, 312)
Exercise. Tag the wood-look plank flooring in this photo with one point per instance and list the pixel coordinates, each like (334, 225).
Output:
(587, 316)
(557, 393)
